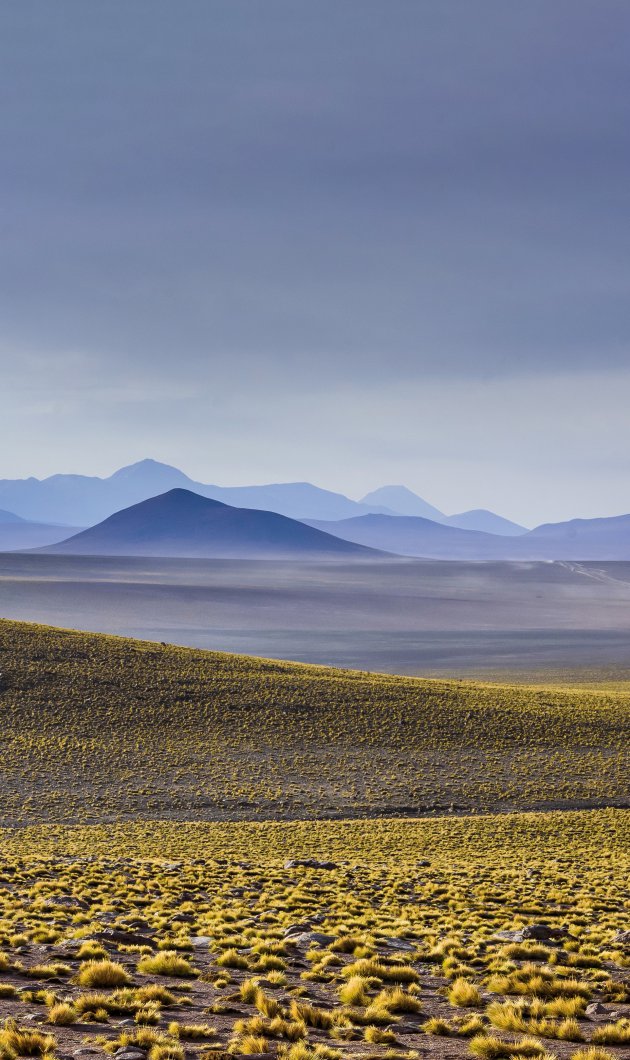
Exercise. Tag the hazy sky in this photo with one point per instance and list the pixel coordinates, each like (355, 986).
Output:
(347, 241)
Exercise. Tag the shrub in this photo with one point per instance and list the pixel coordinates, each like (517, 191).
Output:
(612, 1033)
(191, 1031)
(167, 962)
(378, 1036)
(490, 1048)
(464, 994)
(62, 1014)
(17, 1041)
(355, 991)
(102, 973)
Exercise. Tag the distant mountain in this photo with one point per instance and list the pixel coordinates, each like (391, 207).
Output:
(401, 501)
(298, 500)
(413, 536)
(9, 517)
(578, 539)
(182, 523)
(487, 522)
(83, 500)
(18, 534)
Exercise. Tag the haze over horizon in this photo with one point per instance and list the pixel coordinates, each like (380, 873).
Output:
(349, 244)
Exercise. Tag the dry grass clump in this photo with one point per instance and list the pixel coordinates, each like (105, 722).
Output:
(191, 1031)
(488, 1047)
(373, 969)
(464, 994)
(102, 973)
(612, 1033)
(592, 1053)
(62, 1013)
(167, 962)
(533, 980)
(378, 1036)
(18, 1041)
(355, 991)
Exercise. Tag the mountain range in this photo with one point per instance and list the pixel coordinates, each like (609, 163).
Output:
(17, 534)
(182, 523)
(83, 500)
(191, 523)
(577, 539)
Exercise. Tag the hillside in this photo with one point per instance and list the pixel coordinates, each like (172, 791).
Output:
(100, 728)
(17, 534)
(9, 518)
(486, 521)
(582, 540)
(410, 535)
(181, 523)
(595, 539)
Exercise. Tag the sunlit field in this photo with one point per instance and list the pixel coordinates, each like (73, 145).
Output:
(101, 728)
(366, 903)
(382, 938)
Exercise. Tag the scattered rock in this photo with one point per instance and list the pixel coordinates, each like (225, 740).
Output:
(199, 941)
(596, 1011)
(537, 932)
(622, 938)
(66, 901)
(310, 938)
(127, 938)
(543, 933)
(298, 929)
(310, 863)
(397, 944)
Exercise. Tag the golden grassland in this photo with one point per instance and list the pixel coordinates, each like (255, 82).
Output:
(101, 728)
(390, 951)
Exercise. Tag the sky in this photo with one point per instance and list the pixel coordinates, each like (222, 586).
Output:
(350, 242)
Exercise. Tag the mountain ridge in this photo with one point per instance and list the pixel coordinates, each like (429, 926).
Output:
(184, 524)
(83, 500)
(576, 539)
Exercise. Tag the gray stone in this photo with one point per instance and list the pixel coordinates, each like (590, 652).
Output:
(125, 938)
(543, 933)
(622, 938)
(397, 944)
(596, 1011)
(310, 863)
(310, 938)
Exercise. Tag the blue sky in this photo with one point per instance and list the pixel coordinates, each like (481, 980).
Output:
(350, 242)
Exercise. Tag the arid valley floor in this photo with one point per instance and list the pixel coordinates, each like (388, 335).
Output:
(402, 616)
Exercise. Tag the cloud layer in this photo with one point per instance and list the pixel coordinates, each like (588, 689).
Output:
(320, 240)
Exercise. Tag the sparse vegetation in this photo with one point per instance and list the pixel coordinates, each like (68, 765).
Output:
(352, 743)
(308, 939)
